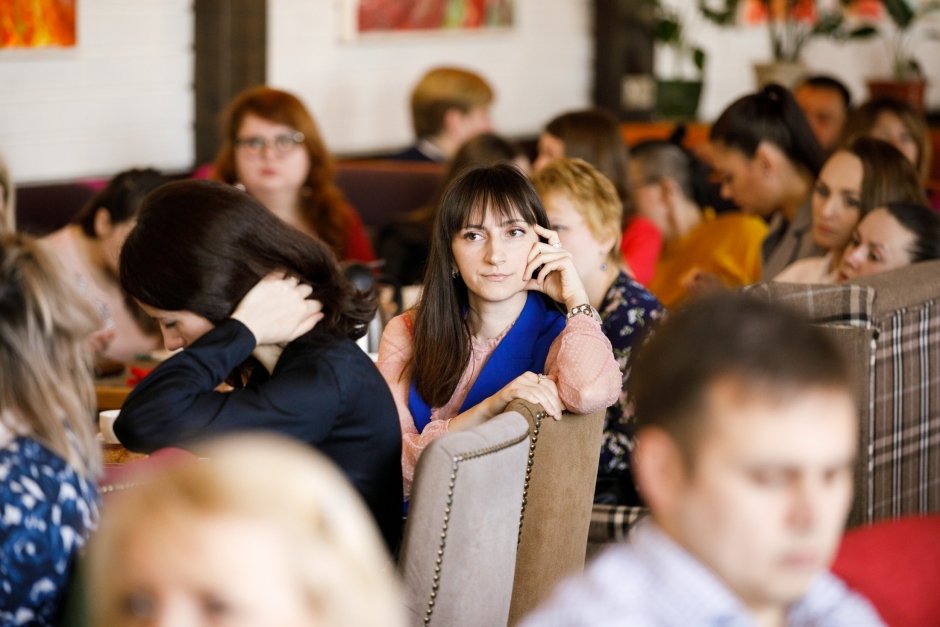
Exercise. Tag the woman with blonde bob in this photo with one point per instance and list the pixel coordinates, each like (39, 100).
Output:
(273, 150)
(49, 458)
(584, 209)
(264, 532)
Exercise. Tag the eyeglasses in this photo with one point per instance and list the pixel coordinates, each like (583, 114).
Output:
(280, 144)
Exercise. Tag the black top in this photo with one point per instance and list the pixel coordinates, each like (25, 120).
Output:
(331, 397)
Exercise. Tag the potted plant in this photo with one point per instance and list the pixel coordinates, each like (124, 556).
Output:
(907, 81)
(790, 25)
(678, 96)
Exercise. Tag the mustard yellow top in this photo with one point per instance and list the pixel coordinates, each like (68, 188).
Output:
(727, 247)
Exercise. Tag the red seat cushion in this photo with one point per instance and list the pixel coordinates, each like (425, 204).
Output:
(896, 565)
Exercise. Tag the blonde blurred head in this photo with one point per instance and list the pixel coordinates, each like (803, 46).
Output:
(46, 389)
(335, 560)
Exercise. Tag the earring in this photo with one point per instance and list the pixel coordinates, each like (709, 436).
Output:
(239, 186)
(604, 267)
(454, 273)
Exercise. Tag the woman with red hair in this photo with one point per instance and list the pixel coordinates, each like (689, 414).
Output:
(272, 149)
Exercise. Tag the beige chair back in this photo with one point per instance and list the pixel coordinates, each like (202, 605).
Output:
(559, 494)
(459, 550)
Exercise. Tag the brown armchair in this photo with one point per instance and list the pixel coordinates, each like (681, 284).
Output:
(556, 510)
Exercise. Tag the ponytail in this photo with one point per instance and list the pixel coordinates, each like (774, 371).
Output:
(770, 115)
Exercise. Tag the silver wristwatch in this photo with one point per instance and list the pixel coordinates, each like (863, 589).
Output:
(585, 309)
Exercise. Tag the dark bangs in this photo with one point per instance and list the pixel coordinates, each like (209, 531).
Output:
(502, 188)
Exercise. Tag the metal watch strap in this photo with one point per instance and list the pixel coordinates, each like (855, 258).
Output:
(585, 309)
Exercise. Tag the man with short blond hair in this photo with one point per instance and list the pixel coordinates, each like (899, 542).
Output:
(449, 105)
(746, 444)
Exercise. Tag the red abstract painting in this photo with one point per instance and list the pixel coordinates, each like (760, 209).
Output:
(430, 15)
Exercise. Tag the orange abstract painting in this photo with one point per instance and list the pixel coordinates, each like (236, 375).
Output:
(37, 23)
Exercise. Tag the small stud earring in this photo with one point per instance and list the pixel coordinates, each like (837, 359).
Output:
(454, 273)
(604, 267)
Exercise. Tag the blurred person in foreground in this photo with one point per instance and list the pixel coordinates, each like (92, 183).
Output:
(49, 459)
(263, 532)
(746, 446)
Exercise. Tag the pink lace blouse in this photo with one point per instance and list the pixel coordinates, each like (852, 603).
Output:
(580, 359)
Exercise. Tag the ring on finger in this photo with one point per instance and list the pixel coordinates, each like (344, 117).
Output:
(555, 244)
(540, 376)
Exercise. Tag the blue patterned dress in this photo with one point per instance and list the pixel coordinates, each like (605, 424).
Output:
(627, 312)
(47, 510)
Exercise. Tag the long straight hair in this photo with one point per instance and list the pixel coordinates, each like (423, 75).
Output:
(769, 115)
(199, 246)
(441, 333)
(46, 389)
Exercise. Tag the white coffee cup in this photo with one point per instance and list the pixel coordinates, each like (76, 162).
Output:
(106, 420)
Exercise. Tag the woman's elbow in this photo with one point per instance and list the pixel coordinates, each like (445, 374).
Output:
(594, 395)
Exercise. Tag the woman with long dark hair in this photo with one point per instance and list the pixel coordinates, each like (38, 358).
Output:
(229, 282)
(487, 329)
(767, 158)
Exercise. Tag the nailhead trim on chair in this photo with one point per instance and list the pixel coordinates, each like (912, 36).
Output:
(528, 467)
(457, 459)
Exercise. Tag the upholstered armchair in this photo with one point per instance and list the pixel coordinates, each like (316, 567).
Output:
(459, 551)
(556, 510)
(889, 328)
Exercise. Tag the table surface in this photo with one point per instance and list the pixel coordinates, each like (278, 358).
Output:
(112, 391)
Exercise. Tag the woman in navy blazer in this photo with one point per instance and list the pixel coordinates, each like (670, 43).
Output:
(263, 308)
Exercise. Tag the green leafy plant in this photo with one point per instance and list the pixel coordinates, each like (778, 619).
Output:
(669, 30)
(909, 23)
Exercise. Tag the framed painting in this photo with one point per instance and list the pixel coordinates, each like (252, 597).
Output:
(37, 23)
(365, 18)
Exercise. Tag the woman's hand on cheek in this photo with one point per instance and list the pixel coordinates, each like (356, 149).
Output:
(277, 309)
(552, 270)
(532, 387)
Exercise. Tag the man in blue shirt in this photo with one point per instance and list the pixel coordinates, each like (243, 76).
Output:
(746, 445)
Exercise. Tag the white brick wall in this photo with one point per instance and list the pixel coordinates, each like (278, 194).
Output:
(122, 97)
(359, 91)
